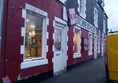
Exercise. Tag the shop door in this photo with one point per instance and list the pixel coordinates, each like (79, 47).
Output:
(58, 64)
(95, 47)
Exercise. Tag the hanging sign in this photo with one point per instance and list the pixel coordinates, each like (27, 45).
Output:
(72, 16)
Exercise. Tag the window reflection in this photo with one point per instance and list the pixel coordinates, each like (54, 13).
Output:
(58, 39)
(33, 36)
(76, 41)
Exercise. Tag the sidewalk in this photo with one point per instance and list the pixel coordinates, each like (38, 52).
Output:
(91, 72)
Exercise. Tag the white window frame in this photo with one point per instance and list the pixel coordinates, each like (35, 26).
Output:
(99, 42)
(95, 17)
(43, 60)
(77, 55)
(90, 52)
(82, 6)
(104, 26)
(63, 1)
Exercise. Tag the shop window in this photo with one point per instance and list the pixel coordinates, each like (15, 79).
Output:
(77, 41)
(33, 36)
(90, 36)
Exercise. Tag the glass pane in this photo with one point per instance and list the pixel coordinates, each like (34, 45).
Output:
(33, 36)
(76, 41)
(58, 39)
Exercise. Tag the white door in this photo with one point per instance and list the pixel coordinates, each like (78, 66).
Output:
(95, 47)
(58, 62)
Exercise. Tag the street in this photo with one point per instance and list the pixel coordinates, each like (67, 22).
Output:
(90, 72)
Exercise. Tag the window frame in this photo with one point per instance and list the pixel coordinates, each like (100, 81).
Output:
(104, 26)
(82, 6)
(77, 55)
(63, 1)
(90, 41)
(95, 17)
(99, 40)
(43, 60)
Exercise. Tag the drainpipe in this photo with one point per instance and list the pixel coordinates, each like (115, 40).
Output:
(4, 34)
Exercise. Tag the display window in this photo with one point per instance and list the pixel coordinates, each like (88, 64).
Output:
(33, 36)
(77, 42)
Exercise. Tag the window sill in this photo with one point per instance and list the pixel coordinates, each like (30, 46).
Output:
(34, 63)
(76, 55)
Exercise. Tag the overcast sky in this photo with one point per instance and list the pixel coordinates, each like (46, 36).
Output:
(111, 8)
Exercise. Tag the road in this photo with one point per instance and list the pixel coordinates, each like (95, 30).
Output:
(90, 72)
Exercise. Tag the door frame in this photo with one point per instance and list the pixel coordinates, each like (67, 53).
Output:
(95, 46)
(63, 24)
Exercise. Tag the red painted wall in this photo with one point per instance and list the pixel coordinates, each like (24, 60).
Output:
(12, 36)
(13, 22)
(84, 54)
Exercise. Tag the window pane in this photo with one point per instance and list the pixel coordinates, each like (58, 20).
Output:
(58, 39)
(76, 41)
(33, 36)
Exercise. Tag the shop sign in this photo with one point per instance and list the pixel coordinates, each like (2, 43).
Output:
(85, 25)
(72, 16)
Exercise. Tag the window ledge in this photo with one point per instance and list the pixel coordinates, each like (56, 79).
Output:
(76, 55)
(33, 63)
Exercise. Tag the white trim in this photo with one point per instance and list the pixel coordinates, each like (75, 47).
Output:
(23, 13)
(36, 10)
(77, 55)
(45, 36)
(95, 17)
(33, 63)
(65, 13)
(0, 37)
(23, 31)
(83, 5)
(104, 26)
(60, 21)
(99, 38)
(22, 51)
(63, 1)
(95, 46)
(47, 20)
(47, 48)
(90, 52)
(63, 24)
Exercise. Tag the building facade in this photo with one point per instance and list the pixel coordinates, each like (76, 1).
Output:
(41, 38)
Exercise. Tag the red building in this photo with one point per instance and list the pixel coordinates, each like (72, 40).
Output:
(38, 41)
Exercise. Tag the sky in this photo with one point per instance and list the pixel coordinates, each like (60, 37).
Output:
(111, 8)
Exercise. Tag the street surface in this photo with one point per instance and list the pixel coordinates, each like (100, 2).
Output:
(90, 72)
